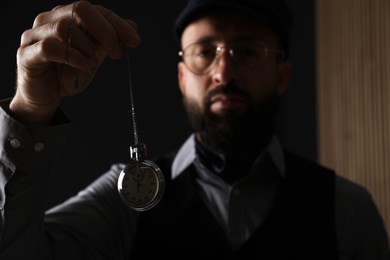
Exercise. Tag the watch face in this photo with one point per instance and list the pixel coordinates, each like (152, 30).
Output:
(141, 184)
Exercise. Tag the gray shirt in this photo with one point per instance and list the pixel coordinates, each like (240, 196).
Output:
(86, 221)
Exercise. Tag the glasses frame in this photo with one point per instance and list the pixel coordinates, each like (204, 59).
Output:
(230, 51)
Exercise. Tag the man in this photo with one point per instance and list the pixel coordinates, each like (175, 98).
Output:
(232, 191)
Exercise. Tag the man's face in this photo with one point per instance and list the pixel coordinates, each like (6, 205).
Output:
(231, 101)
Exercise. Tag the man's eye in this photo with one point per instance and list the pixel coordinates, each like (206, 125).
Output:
(206, 53)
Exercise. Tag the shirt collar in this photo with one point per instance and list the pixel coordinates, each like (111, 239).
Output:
(186, 156)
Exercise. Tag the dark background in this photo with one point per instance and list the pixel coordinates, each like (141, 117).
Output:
(101, 131)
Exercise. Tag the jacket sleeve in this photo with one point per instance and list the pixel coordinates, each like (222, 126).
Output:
(91, 225)
(361, 230)
(26, 156)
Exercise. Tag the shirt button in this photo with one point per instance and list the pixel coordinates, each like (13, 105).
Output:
(38, 147)
(15, 143)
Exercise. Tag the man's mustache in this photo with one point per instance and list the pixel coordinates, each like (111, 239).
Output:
(225, 90)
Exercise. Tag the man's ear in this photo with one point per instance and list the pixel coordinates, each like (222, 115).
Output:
(180, 77)
(284, 76)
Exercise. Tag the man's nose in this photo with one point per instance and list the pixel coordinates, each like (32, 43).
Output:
(224, 69)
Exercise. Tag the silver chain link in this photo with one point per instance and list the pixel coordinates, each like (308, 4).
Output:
(131, 98)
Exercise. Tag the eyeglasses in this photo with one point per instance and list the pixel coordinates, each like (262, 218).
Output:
(200, 57)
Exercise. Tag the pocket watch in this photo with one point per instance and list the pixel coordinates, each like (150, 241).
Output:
(141, 183)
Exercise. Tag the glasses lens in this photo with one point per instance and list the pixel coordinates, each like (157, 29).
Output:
(199, 56)
(249, 54)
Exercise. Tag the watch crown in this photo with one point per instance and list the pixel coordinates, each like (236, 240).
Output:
(138, 152)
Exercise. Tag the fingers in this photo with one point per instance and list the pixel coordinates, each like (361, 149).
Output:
(79, 50)
(52, 50)
(60, 55)
(94, 29)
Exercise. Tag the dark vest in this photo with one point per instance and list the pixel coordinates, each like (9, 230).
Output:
(300, 224)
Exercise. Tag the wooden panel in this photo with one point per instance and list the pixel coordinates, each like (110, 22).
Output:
(353, 81)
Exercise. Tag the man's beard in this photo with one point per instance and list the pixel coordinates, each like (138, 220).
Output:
(234, 133)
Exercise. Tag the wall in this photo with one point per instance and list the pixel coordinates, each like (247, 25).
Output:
(353, 47)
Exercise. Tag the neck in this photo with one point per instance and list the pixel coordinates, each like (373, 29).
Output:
(234, 161)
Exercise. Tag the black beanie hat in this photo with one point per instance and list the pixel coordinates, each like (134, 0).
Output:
(275, 14)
